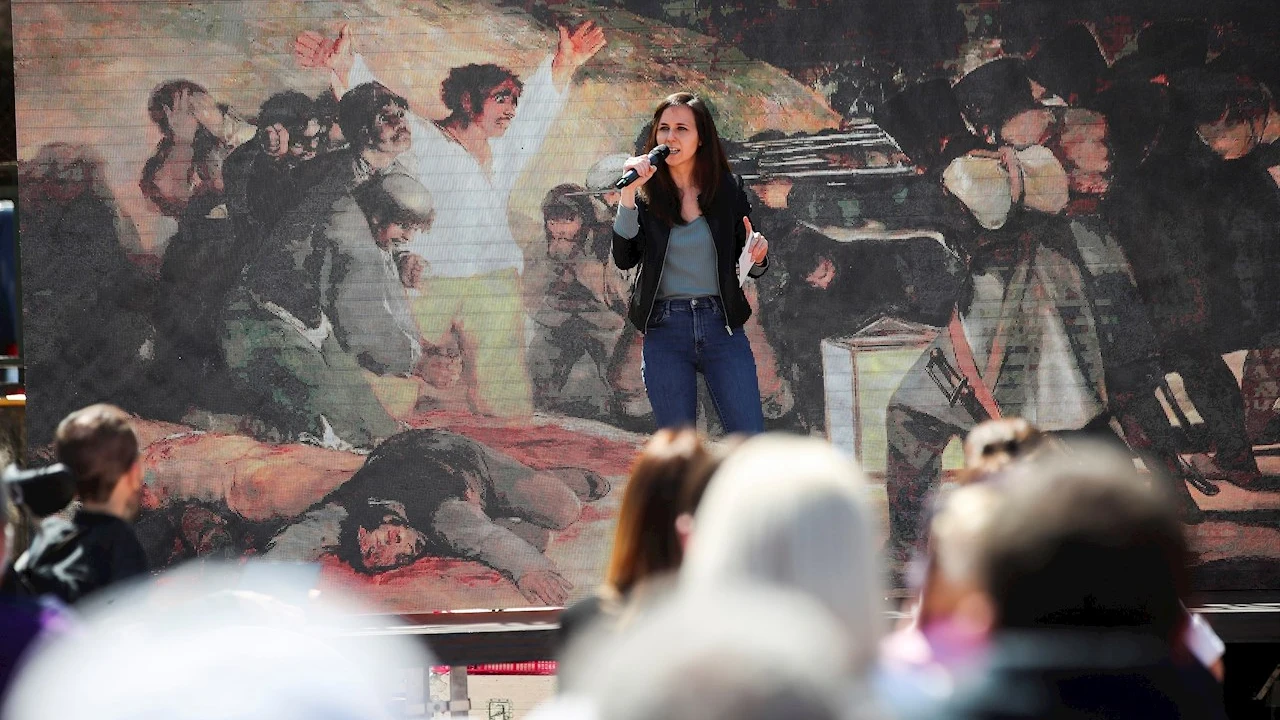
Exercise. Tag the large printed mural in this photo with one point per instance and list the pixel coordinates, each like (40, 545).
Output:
(348, 262)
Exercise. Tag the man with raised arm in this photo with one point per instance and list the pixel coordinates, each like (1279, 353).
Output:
(470, 162)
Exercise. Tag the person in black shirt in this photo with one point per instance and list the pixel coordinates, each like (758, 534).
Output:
(97, 547)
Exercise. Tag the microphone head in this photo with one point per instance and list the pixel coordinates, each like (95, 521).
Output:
(659, 153)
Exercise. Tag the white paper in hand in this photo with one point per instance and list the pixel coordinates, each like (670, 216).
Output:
(744, 264)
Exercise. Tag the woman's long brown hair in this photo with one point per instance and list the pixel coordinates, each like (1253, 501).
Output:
(710, 163)
(645, 542)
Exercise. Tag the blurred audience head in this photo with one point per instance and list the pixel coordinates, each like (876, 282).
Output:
(954, 589)
(1082, 540)
(736, 652)
(699, 478)
(993, 445)
(645, 542)
(99, 446)
(6, 528)
(229, 642)
(788, 511)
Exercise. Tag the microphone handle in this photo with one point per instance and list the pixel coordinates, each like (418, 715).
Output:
(627, 179)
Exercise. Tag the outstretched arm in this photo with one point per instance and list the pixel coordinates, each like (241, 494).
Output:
(337, 54)
(543, 99)
(575, 48)
(309, 537)
(348, 69)
(468, 532)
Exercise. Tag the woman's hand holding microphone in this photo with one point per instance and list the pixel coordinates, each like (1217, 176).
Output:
(645, 169)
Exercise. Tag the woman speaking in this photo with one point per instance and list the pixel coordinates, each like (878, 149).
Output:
(686, 231)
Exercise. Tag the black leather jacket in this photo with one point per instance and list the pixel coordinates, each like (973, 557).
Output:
(648, 249)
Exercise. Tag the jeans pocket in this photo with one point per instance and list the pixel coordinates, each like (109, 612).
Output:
(661, 312)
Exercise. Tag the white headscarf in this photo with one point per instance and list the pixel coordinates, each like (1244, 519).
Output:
(984, 184)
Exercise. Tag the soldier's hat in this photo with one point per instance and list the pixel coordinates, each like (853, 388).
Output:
(992, 93)
(1069, 65)
(1137, 111)
(1165, 48)
(1261, 66)
(410, 199)
(923, 119)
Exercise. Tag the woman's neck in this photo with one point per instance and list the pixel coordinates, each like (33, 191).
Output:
(682, 176)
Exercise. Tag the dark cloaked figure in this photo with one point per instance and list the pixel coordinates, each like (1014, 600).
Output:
(263, 177)
(190, 178)
(1165, 47)
(1138, 114)
(87, 326)
(924, 119)
(1193, 220)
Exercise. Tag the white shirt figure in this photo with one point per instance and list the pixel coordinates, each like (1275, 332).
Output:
(471, 235)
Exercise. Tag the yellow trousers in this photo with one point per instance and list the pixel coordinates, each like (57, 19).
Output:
(487, 313)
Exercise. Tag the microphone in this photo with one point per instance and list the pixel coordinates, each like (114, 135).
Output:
(656, 156)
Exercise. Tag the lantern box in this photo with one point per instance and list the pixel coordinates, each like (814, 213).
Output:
(860, 373)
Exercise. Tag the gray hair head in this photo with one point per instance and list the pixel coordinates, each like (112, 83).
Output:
(226, 642)
(739, 651)
(789, 511)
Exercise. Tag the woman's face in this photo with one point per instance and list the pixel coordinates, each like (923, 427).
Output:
(678, 130)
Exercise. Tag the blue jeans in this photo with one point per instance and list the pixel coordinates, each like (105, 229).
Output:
(686, 337)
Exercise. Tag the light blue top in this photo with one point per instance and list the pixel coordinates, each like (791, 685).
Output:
(690, 268)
